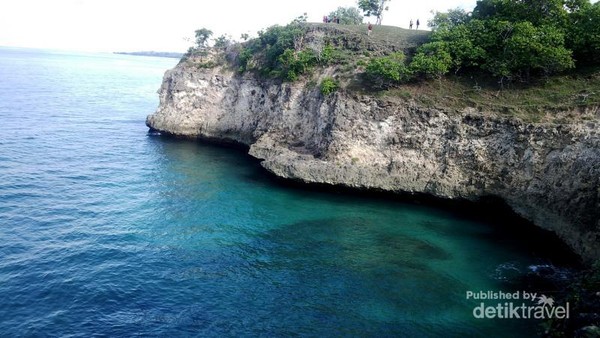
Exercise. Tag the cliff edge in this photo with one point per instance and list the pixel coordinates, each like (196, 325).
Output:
(546, 172)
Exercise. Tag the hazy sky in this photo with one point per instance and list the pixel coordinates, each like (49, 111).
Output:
(164, 25)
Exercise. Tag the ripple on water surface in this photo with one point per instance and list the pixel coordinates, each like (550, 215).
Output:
(109, 231)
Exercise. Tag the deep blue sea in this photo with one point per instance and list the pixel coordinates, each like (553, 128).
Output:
(106, 230)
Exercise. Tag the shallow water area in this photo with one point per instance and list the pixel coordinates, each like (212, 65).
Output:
(109, 230)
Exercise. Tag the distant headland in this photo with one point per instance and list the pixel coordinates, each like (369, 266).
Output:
(153, 53)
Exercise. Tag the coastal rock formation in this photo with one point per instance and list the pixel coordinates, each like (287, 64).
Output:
(548, 173)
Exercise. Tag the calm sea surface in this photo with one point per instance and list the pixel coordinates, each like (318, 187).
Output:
(106, 230)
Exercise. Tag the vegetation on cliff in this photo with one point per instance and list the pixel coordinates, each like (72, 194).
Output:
(373, 8)
(288, 52)
(519, 39)
(509, 40)
(531, 59)
(347, 15)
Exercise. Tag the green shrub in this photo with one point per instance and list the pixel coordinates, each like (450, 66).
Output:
(294, 64)
(273, 54)
(244, 57)
(433, 60)
(275, 41)
(327, 54)
(328, 86)
(511, 39)
(387, 71)
(207, 64)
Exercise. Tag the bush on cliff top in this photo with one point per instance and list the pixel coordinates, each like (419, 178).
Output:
(384, 72)
(281, 52)
(519, 40)
(276, 52)
(471, 56)
(507, 39)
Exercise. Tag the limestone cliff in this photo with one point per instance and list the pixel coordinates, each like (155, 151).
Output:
(548, 173)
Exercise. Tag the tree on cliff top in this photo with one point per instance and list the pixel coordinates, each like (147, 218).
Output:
(223, 41)
(373, 8)
(201, 49)
(347, 15)
(450, 19)
(202, 36)
(514, 39)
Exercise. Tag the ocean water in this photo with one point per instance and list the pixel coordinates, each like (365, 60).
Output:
(106, 230)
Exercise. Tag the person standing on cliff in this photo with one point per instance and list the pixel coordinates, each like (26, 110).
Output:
(410, 24)
(417, 23)
(369, 29)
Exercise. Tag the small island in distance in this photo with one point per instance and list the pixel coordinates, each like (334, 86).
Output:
(153, 53)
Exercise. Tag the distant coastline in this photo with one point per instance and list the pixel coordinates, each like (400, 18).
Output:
(153, 53)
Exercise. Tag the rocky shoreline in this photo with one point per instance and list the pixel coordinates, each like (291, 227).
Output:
(547, 173)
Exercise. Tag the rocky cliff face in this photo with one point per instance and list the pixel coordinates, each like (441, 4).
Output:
(548, 173)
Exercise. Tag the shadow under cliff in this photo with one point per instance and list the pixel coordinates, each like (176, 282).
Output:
(508, 227)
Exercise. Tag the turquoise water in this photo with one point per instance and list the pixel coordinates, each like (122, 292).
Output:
(107, 230)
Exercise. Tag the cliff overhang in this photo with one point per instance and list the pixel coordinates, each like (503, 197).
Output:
(546, 172)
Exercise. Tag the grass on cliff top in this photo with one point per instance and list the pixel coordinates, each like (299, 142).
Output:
(561, 99)
(388, 38)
